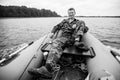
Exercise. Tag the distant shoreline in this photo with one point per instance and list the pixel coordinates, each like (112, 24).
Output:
(67, 16)
(26, 12)
(23, 11)
(28, 17)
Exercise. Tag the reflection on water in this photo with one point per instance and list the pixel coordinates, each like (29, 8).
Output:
(15, 31)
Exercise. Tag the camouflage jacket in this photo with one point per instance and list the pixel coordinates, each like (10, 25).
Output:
(70, 29)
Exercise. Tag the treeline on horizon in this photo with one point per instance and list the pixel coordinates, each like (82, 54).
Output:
(23, 11)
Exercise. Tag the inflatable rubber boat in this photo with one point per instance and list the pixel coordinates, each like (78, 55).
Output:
(99, 63)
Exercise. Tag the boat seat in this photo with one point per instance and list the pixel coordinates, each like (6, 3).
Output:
(71, 50)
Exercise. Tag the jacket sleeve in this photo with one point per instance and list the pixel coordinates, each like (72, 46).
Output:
(57, 27)
(82, 28)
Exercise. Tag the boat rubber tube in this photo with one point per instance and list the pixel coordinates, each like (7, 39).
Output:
(103, 66)
(28, 58)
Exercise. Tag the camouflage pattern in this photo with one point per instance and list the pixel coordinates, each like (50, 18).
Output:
(69, 32)
(68, 29)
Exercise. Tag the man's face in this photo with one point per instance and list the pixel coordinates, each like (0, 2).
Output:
(71, 13)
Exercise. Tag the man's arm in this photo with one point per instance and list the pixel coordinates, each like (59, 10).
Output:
(82, 28)
(57, 28)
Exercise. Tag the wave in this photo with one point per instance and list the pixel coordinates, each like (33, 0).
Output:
(108, 41)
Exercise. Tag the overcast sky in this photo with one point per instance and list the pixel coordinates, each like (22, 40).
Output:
(83, 7)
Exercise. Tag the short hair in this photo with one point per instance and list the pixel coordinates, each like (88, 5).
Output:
(71, 9)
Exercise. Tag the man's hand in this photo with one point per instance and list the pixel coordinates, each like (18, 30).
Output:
(80, 32)
(51, 35)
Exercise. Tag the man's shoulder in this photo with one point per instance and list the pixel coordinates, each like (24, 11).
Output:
(81, 21)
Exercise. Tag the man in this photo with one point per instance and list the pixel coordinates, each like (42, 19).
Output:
(69, 30)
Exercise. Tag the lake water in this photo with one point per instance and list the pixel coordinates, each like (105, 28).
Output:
(15, 31)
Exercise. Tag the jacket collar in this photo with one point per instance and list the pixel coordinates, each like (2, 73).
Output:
(71, 21)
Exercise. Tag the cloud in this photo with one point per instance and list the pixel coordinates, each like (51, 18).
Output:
(83, 7)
